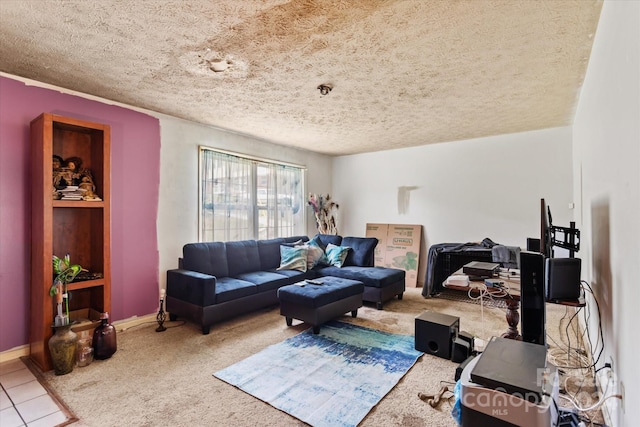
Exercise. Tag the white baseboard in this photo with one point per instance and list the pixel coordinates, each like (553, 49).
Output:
(607, 384)
(14, 353)
(121, 325)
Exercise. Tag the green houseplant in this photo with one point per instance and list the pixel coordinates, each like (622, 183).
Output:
(64, 272)
(63, 343)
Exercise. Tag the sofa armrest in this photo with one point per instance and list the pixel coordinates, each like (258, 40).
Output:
(191, 286)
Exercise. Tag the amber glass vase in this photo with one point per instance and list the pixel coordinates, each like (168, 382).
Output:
(104, 339)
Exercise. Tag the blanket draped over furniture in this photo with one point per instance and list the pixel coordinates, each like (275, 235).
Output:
(219, 280)
(330, 379)
(444, 259)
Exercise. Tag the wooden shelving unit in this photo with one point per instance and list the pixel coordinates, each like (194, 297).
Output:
(59, 227)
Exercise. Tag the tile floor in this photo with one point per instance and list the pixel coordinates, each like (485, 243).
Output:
(23, 401)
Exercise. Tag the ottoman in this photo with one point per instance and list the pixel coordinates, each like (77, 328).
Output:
(318, 303)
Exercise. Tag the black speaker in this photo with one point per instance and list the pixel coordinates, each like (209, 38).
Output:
(460, 350)
(562, 279)
(533, 245)
(435, 333)
(468, 338)
(532, 298)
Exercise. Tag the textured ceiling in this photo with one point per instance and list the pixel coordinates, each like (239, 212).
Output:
(404, 73)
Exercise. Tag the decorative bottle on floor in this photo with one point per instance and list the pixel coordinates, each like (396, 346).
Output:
(104, 339)
(62, 346)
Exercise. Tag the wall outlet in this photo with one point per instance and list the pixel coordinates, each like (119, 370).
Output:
(606, 381)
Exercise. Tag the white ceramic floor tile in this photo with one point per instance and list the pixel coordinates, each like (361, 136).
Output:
(27, 391)
(39, 407)
(49, 421)
(15, 378)
(9, 418)
(10, 366)
(5, 402)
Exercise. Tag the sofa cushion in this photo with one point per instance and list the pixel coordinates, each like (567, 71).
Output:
(229, 288)
(324, 239)
(265, 280)
(375, 277)
(208, 258)
(269, 251)
(362, 249)
(293, 258)
(295, 275)
(336, 255)
(243, 257)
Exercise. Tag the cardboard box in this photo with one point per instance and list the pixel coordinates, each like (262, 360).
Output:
(86, 321)
(398, 247)
(379, 231)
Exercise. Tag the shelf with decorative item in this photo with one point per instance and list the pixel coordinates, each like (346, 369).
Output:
(77, 204)
(85, 284)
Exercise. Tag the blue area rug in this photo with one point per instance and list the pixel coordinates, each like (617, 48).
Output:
(331, 379)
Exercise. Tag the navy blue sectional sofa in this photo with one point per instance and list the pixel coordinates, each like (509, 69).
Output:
(219, 280)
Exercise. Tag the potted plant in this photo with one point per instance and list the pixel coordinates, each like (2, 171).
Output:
(64, 272)
(62, 344)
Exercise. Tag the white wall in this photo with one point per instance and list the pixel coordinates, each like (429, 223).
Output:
(462, 191)
(607, 183)
(178, 204)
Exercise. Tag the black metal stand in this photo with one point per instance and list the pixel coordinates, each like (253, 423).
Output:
(161, 317)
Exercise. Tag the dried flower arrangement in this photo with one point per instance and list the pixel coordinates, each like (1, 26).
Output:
(323, 208)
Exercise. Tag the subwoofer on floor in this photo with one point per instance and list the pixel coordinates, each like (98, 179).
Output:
(435, 333)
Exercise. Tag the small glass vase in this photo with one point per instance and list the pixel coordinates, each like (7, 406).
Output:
(85, 352)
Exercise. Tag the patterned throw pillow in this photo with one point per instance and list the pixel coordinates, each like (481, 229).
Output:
(315, 255)
(336, 254)
(293, 258)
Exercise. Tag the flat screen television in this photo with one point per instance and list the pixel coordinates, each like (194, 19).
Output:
(532, 282)
(551, 235)
(546, 244)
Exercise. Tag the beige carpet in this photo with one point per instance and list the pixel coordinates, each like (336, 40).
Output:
(166, 378)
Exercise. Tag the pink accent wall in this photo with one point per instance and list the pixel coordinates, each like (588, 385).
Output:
(135, 180)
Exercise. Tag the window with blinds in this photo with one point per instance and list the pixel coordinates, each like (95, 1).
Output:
(247, 198)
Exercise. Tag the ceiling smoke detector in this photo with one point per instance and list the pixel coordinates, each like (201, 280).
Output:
(325, 88)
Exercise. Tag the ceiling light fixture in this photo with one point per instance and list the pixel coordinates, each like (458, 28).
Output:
(218, 65)
(325, 88)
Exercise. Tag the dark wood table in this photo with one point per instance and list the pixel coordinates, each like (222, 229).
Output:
(511, 295)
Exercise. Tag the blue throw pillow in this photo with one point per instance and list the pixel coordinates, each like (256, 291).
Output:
(362, 251)
(293, 258)
(324, 239)
(336, 254)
